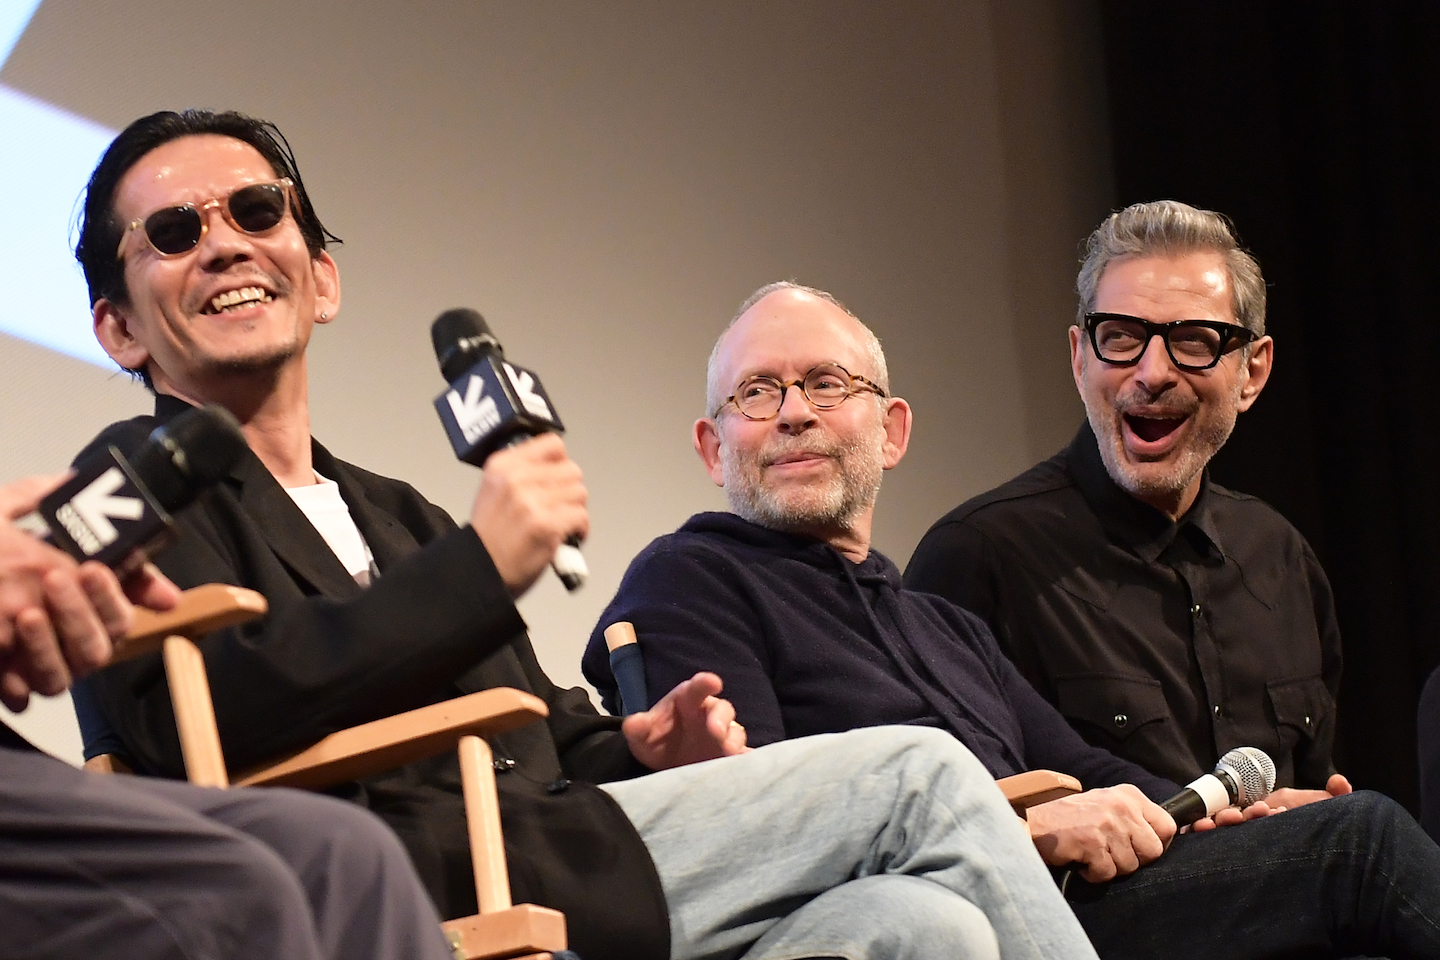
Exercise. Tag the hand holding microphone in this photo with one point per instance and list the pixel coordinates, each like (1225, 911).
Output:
(1114, 831)
(60, 611)
(116, 509)
(1244, 776)
(530, 508)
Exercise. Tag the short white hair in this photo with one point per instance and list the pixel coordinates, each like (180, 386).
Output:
(715, 391)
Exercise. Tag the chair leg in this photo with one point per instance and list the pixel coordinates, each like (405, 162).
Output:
(482, 816)
(499, 930)
(194, 713)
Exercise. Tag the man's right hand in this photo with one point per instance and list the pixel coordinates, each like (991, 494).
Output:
(57, 617)
(1107, 832)
(531, 499)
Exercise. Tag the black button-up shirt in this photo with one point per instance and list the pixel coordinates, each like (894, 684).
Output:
(1168, 643)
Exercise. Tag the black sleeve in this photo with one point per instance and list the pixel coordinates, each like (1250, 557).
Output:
(590, 745)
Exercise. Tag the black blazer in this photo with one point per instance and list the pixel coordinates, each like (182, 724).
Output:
(330, 654)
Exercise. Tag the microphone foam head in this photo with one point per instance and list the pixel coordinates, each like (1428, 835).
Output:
(460, 337)
(189, 454)
(1253, 772)
(206, 442)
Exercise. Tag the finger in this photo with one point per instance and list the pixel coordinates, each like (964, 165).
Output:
(701, 686)
(1260, 809)
(1158, 820)
(104, 594)
(719, 715)
(78, 625)
(1099, 869)
(152, 589)
(736, 739)
(14, 691)
(1151, 831)
(1338, 785)
(539, 448)
(1231, 816)
(22, 496)
(1127, 857)
(38, 657)
(637, 726)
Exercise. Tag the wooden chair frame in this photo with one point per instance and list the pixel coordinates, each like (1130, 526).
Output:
(501, 929)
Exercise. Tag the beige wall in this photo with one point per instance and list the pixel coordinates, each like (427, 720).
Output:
(605, 182)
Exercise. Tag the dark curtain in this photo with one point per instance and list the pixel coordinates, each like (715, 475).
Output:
(1316, 128)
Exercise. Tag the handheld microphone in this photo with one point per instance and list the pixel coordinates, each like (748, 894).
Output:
(1243, 776)
(492, 403)
(116, 509)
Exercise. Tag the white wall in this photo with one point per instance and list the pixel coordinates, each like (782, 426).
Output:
(606, 182)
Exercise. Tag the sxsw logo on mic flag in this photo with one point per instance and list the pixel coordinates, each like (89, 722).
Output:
(491, 404)
(532, 396)
(475, 413)
(104, 513)
(88, 516)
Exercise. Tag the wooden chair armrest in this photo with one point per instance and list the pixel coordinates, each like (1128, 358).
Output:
(1035, 787)
(401, 739)
(200, 610)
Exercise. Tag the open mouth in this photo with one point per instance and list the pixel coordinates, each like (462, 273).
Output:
(1152, 429)
(237, 299)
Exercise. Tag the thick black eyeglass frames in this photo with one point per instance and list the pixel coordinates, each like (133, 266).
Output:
(1121, 340)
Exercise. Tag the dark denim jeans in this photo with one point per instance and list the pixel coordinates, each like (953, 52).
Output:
(1348, 876)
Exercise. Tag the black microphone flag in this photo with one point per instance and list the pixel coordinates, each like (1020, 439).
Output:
(116, 509)
(491, 403)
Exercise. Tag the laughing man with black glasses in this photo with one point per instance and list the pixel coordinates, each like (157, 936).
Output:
(1168, 618)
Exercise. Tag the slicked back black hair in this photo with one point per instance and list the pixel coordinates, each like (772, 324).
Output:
(100, 229)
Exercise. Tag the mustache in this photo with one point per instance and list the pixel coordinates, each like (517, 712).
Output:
(785, 446)
(1162, 405)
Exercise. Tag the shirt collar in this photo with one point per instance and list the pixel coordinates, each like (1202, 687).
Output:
(1145, 529)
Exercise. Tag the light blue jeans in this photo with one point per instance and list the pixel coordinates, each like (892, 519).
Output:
(888, 843)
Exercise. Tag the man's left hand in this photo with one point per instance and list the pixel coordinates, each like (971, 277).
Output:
(689, 724)
(1285, 798)
(1290, 798)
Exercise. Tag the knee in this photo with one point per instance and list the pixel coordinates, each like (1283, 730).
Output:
(1371, 821)
(936, 753)
(1362, 806)
(927, 921)
(246, 882)
(333, 835)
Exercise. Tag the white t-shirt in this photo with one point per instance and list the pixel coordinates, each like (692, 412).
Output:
(325, 508)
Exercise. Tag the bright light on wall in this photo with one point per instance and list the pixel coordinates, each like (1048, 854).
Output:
(45, 158)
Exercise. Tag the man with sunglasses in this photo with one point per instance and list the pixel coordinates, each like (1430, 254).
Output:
(1168, 618)
(813, 632)
(207, 271)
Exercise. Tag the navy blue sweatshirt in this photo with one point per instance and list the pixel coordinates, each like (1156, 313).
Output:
(809, 642)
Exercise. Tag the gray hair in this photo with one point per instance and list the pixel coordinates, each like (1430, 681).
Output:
(1169, 228)
(715, 392)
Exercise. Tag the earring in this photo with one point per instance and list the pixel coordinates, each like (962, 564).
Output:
(324, 315)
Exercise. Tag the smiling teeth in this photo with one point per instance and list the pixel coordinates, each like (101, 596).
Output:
(234, 298)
